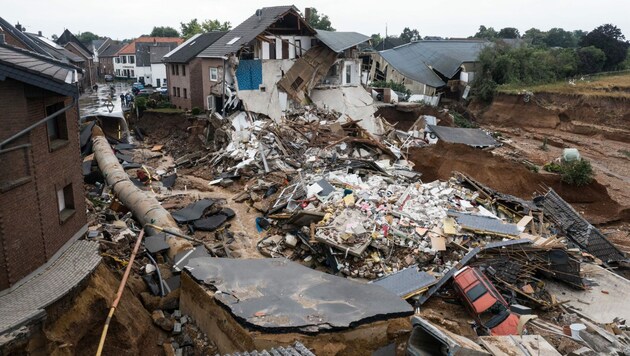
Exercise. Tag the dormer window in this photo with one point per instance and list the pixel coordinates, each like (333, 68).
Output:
(233, 41)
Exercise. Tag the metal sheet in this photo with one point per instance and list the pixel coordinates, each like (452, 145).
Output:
(484, 224)
(471, 137)
(193, 211)
(278, 295)
(406, 282)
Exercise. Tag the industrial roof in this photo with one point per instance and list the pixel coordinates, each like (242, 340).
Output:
(470, 137)
(37, 70)
(192, 47)
(246, 31)
(340, 41)
(416, 60)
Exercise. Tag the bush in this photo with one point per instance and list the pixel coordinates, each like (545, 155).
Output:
(141, 102)
(461, 121)
(577, 173)
(553, 167)
(399, 87)
(196, 111)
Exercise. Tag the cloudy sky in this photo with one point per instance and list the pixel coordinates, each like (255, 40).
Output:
(120, 19)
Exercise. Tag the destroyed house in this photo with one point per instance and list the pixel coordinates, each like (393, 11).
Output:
(184, 71)
(255, 55)
(429, 69)
(42, 210)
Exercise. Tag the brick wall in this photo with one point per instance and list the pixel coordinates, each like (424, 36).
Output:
(196, 84)
(211, 87)
(31, 230)
(179, 81)
(107, 65)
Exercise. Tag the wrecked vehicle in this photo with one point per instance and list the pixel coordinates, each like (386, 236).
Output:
(485, 303)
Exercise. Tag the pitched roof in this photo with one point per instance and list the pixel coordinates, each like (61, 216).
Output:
(38, 70)
(130, 48)
(145, 49)
(192, 47)
(54, 50)
(68, 37)
(247, 31)
(157, 52)
(97, 44)
(111, 50)
(389, 43)
(79, 49)
(418, 60)
(340, 41)
(22, 37)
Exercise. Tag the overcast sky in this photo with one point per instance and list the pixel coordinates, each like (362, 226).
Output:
(120, 19)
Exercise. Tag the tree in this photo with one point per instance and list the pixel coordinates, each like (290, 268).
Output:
(611, 41)
(577, 173)
(164, 31)
(319, 22)
(536, 36)
(193, 27)
(409, 35)
(509, 32)
(557, 37)
(376, 38)
(486, 33)
(590, 59)
(87, 37)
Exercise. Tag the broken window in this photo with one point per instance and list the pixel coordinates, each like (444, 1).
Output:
(297, 83)
(56, 127)
(298, 48)
(65, 202)
(214, 74)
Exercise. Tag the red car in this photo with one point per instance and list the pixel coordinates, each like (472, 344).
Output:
(483, 300)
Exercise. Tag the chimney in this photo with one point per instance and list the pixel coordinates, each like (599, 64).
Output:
(19, 27)
(39, 33)
(307, 14)
(259, 14)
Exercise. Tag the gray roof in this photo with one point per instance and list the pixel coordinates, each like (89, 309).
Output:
(470, 137)
(340, 41)
(416, 60)
(111, 50)
(157, 52)
(68, 37)
(37, 70)
(246, 31)
(192, 47)
(54, 50)
(97, 44)
(21, 36)
(389, 43)
(145, 49)
(484, 224)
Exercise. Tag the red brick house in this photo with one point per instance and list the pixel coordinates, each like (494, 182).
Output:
(184, 71)
(42, 207)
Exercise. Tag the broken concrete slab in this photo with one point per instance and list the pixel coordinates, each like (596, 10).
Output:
(606, 299)
(430, 339)
(210, 223)
(278, 295)
(470, 137)
(193, 211)
(407, 282)
(525, 345)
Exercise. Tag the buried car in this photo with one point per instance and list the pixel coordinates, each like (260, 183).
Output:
(484, 301)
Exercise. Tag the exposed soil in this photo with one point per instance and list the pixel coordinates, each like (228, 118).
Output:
(510, 177)
(405, 116)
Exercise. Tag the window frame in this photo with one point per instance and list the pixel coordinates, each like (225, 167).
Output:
(67, 208)
(60, 125)
(216, 74)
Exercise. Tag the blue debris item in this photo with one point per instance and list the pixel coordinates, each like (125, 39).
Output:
(249, 74)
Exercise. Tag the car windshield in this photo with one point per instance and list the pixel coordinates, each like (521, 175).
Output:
(494, 315)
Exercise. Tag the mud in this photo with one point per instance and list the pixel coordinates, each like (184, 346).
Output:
(404, 118)
(508, 176)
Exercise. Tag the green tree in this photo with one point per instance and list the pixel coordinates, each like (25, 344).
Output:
(590, 59)
(486, 33)
(87, 37)
(536, 36)
(409, 35)
(376, 38)
(609, 39)
(509, 32)
(319, 22)
(164, 31)
(557, 37)
(577, 173)
(193, 27)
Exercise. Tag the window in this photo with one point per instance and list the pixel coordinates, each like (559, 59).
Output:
(124, 59)
(157, 82)
(179, 95)
(184, 70)
(349, 68)
(117, 60)
(132, 73)
(233, 41)
(65, 202)
(214, 74)
(296, 84)
(185, 93)
(298, 48)
(177, 69)
(132, 59)
(272, 49)
(118, 72)
(56, 127)
(174, 91)
(164, 82)
(172, 69)
(16, 167)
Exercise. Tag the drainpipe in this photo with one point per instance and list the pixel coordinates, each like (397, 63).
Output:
(223, 91)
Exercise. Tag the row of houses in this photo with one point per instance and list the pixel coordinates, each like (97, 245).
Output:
(275, 58)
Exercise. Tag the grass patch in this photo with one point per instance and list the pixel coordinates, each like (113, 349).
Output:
(166, 111)
(625, 153)
(602, 85)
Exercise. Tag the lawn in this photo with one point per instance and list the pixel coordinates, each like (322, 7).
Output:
(615, 85)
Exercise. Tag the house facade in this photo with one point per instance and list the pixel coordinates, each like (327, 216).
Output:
(72, 44)
(106, 59)
(137, 60)
(185, 71)
(42, 206)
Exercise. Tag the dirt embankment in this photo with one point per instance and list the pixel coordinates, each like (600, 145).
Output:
(507, 176)
(404, 116)
(579, 114)
(178, 133)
